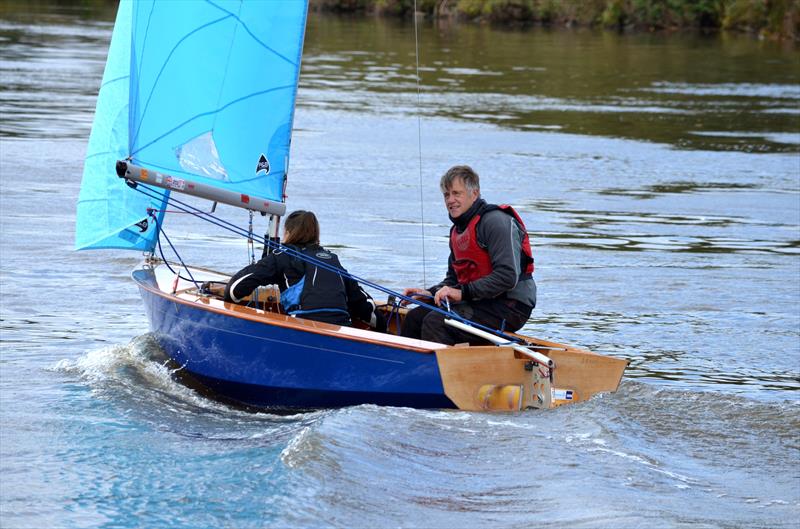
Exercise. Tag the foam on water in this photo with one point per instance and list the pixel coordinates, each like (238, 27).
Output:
(140, 371)
(136, 368)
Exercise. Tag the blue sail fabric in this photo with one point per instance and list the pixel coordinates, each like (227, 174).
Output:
(110, 215)
(201, 90)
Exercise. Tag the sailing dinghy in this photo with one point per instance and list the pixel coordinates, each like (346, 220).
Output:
(198, 98)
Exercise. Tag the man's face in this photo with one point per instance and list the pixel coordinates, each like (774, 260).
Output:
(458, 199)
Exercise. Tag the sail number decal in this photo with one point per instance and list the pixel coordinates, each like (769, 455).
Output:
(175, 183)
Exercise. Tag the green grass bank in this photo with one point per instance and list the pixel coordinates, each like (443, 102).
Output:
(777, 19)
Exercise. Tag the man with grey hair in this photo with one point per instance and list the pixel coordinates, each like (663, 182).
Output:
(489, 276)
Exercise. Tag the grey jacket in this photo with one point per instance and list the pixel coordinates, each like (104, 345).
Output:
(501, 235)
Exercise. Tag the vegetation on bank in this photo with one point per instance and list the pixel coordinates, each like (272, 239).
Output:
(768, 18)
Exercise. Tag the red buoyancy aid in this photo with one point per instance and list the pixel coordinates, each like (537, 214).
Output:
(471, 261)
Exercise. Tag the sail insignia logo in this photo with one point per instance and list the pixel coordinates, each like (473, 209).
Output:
(262, 166)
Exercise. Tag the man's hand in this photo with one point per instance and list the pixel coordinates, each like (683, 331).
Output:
(416, 293)
(452, 294)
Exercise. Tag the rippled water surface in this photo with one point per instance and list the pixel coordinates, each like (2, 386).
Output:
(659, 177)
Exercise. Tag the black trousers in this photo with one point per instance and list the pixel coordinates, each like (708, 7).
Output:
(505, 314)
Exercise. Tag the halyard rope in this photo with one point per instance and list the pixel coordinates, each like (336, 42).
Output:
(419, 147)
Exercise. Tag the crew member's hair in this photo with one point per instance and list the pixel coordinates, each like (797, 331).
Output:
(301, 228)
(465, 173)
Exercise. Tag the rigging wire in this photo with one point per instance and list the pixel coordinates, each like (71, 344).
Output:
(251, 239)
(419, 149)
(224, 224)
(174, 250)
(251, 246)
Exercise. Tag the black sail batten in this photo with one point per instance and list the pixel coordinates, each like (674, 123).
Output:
(134, 173)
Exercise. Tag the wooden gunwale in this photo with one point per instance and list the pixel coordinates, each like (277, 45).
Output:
(348, 333)
(281, 320)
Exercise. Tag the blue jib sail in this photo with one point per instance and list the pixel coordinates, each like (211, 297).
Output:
(200, 90)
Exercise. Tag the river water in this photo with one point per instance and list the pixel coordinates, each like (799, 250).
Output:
(659, 176)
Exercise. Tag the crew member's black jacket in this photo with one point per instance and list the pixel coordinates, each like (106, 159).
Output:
(323, 296)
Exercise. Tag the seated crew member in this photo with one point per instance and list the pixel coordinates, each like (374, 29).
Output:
(489, 276)
(307, 290)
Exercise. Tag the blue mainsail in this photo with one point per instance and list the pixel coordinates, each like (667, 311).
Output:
(199, 90)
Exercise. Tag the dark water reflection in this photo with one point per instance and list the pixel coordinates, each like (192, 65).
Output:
(689, 91)
(651, 191)
(720, 92)
(47, 89)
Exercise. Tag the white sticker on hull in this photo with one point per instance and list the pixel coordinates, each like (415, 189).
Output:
(562, 394)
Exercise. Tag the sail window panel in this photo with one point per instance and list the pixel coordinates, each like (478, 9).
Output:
(200, 156)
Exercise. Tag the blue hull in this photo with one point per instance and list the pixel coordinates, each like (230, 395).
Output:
(259, 364)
